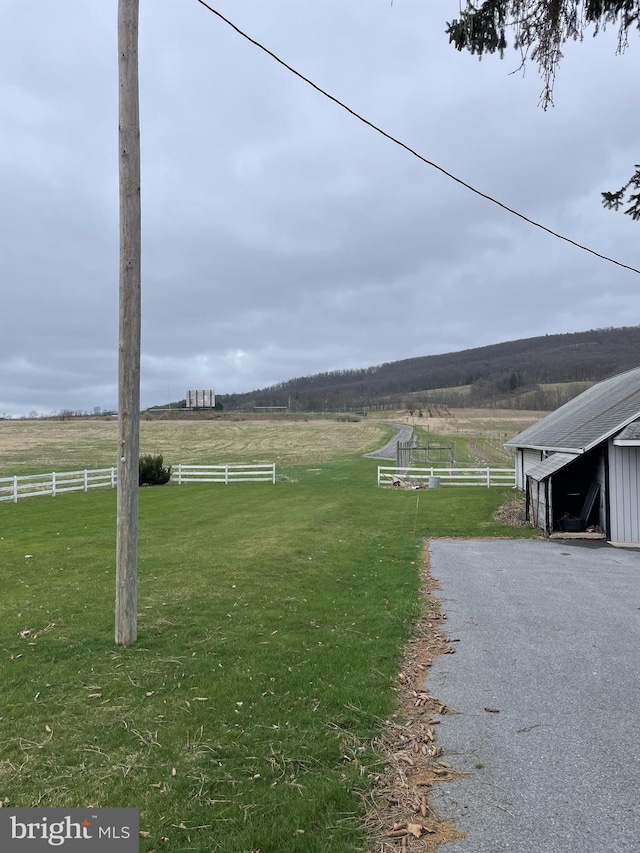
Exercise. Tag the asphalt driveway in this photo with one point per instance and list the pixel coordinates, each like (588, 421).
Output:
(390, 449)
(549, 636)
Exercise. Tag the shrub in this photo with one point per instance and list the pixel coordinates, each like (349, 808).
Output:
(153, 472)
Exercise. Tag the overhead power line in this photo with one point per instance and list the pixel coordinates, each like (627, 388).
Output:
(412, 150)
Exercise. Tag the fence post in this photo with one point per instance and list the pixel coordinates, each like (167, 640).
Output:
(86, 481)
(180, 474)
(226, 475)
(15, 490)
(274, 473)
(53, 484)
(378, 475)
(488, 477)
(113, 477)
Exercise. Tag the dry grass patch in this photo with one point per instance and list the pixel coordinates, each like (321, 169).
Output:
(454, 421)
(513, 513)
(39, 446)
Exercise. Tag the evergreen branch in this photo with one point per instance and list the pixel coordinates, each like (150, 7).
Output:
(615, 200)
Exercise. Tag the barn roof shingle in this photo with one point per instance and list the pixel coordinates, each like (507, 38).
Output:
(588, 419)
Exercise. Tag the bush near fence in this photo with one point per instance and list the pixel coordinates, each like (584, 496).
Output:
(152, 471)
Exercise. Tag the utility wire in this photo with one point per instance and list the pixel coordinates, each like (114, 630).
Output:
(408, 148)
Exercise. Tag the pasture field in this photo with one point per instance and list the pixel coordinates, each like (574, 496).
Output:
(477, 435)
(272, 620)
(497, 424)
(39, 446)
(469, 450)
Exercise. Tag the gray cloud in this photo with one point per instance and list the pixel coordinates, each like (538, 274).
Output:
(281, 236)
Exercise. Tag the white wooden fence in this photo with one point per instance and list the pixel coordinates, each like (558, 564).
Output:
(12, 488)
(387, 476)
(29, 485)
(225, 473)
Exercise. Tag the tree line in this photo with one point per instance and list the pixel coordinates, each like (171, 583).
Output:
(506, 374)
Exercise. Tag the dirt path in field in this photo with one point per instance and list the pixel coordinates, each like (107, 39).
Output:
(399, 814)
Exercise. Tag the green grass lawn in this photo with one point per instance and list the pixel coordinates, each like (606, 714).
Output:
(271, 624)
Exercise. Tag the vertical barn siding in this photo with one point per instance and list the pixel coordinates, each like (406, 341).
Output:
(624, 493)
(538, 508)
(525, 459)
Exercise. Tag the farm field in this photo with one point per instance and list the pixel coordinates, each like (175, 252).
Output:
(469, 450)
(38, 446)
(476, 435)
(272, 620)
(498, 424)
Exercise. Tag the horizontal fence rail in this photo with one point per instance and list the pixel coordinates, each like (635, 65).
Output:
(390, 476)
(225, 473)
(30, 485)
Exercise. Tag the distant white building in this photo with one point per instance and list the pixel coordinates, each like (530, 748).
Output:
(201, 399)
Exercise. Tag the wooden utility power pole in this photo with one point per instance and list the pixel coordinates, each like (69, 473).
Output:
(130, 319)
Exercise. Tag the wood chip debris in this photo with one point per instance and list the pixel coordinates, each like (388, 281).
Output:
(398, 812)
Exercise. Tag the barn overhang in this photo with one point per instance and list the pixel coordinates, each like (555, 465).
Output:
(551, 465)
(545, 448)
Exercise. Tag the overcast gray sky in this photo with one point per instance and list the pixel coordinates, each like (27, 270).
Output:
(281, 236)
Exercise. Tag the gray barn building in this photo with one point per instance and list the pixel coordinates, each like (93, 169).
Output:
(580, 465)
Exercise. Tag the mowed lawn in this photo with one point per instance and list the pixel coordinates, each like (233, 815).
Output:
(271, 624)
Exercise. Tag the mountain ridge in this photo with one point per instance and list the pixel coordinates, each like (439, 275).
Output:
(510, 373)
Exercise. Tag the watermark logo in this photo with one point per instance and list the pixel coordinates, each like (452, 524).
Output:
(79, 830)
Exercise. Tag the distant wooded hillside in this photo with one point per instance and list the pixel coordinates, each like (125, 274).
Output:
(534, 373)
